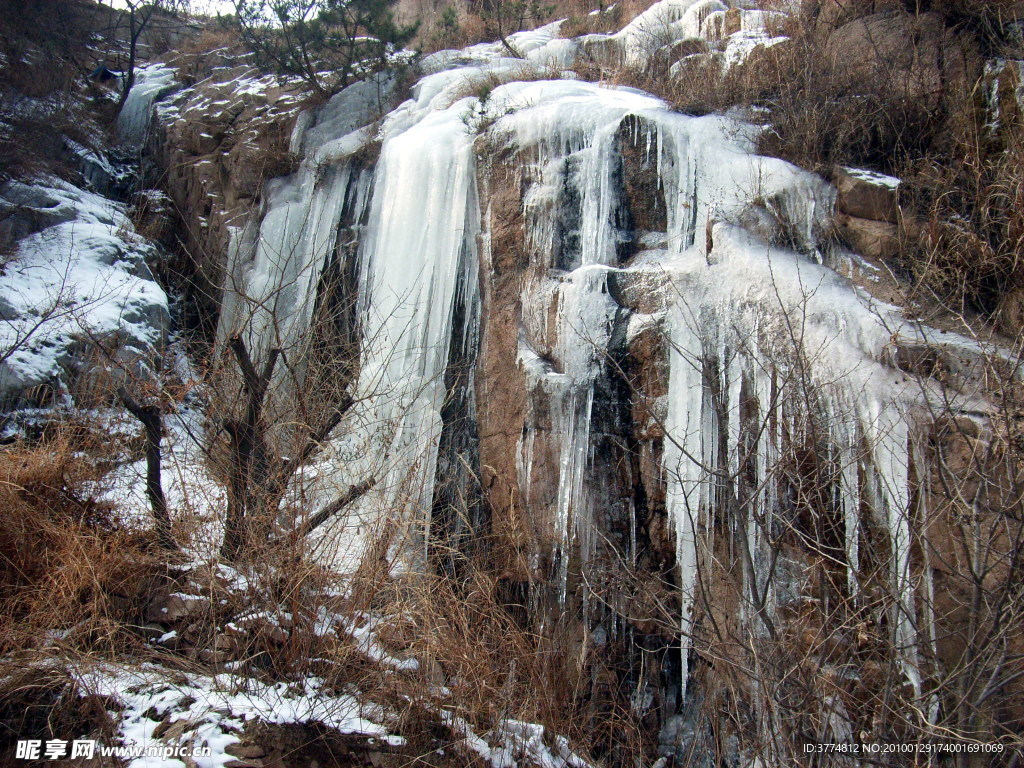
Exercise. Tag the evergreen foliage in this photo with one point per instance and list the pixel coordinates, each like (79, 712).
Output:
(327, 43)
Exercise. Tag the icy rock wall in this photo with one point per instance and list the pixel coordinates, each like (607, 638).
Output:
(645, 286)
(77, 279)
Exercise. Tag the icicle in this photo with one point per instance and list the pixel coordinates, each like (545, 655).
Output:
(685, 464)
(849, 491)
(887, 432)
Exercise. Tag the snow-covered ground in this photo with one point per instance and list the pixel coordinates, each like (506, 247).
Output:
(216, 708)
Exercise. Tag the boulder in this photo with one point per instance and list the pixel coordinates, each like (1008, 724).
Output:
(867, 194)
(1010, 313)
(873, 239)
(245, 751)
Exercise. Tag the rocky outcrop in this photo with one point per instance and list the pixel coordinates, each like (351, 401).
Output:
(685, 432)
(212, 147)
(913, 57)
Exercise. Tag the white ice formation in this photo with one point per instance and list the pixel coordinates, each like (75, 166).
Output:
(765, 339)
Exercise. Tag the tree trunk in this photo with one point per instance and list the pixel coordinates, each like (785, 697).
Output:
(152, 423)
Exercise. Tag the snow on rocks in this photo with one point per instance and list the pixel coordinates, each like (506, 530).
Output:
(512, 741)
(659, 31)
(868, 212)
(867, 194)
(218, 141)
(78, 276)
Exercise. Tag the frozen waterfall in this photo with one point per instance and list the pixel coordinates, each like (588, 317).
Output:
(765, 341)
(151, 82)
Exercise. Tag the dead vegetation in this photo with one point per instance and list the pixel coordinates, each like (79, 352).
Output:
(68, 565)
(44, 95)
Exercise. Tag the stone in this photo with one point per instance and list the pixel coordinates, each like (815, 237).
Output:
(733, 21)
(226, 642)
(211, 656)
(873, 239)
(177, 729)
(245, 751)
(867, 194)
(151, 631)
(161, 729)
(172, 608)
(1010, 314)
(172, 730)
(256, 625)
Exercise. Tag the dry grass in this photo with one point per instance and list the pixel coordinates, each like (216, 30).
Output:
(610, 16)
(44, 701)
(215, 45)
(477, 639)
(65, 562)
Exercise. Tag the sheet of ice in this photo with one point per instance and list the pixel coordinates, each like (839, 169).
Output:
(570, 132)
(662, 24)
(418, 254)
(274, 271)
(741, 44)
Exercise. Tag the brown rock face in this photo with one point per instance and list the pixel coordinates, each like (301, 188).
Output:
(911, 56)
(217, 144)
(501, 383)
